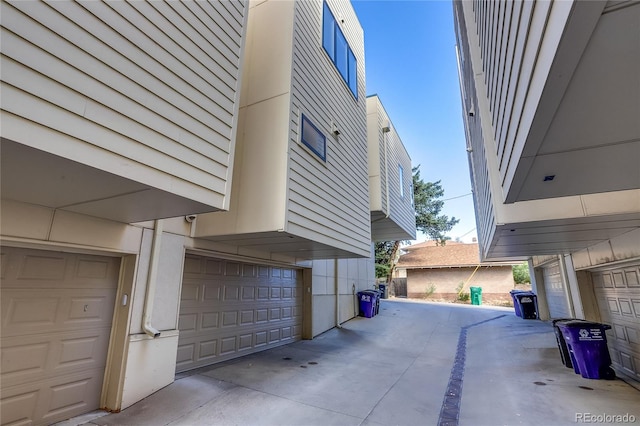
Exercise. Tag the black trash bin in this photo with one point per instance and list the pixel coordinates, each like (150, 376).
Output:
(528, 303)
(587, 344)
(384, 290)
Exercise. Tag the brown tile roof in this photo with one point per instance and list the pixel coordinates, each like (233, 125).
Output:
(452, 254)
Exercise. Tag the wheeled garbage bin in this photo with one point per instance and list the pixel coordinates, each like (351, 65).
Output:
(587, 344)
(376, 304)
(516, 307)
(367, 303)
(565, 356)
(528, 303)
(476, 295)
(384, 290)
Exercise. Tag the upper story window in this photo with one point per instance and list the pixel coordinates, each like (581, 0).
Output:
(336, 46)
(314, 139)
(401, 175)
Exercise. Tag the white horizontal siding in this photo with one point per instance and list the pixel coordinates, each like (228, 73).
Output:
(150, 82)
(525, 57)
(328, 201)
(518, 41)
(478, 168)
(391, 154)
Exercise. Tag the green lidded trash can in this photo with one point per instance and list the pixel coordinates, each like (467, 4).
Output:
(476, 295)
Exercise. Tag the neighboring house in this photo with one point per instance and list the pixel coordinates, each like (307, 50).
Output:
(550, 105)
(439, 271)
(182, 183)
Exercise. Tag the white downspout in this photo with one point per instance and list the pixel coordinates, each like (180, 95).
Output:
(337, 287)
(152, 279)
(386, 129)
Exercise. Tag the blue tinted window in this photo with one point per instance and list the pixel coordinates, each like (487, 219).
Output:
(353, 74)
(336, 46)
(328, 32)
(401, 174)
(314, 139)
(342, 52)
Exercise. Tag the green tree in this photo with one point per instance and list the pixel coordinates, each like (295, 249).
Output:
(383, 258)
(521, 273)
(428, 205)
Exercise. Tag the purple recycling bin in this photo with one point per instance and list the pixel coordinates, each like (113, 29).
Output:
(367, 303)
(565, 355)
(516, 306)
(376, 304)
(587, 344)
(528, 304)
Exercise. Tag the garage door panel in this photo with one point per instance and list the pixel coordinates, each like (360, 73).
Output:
(209, 320)
(261, 338)
(262, 315)
(37, 311)
(229, 319)
(628, 362)
(612, 303)
(633, 277)
(212, 292)
(190, 293)
(633, 335)
(186, 354)
(555, 291)
(24, 269)
(39, 357)
(53, 399)
(57, 310)
(619, 306)
(212, 266)
(246, 317)
(248, 293)
(244, 308)
(625, 307)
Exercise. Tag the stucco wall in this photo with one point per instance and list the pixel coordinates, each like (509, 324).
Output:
(496, 282)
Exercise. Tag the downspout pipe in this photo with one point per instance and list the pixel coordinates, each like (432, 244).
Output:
(386, 129)
(152, 279)
(337, 287)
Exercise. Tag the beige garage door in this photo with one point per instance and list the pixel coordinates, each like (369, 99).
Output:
(618, 295)
(555, 291)
(56, 320)
(230, 309)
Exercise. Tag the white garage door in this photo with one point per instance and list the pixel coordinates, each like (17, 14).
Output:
(230, 309)
(554, 288)
(56, 320)
(618, 295)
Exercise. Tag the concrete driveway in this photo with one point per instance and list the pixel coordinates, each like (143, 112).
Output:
(414, 364)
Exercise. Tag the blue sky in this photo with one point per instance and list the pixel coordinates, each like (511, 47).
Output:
(410, 62)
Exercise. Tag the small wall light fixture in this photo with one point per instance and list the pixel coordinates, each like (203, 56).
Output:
(334, 128)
